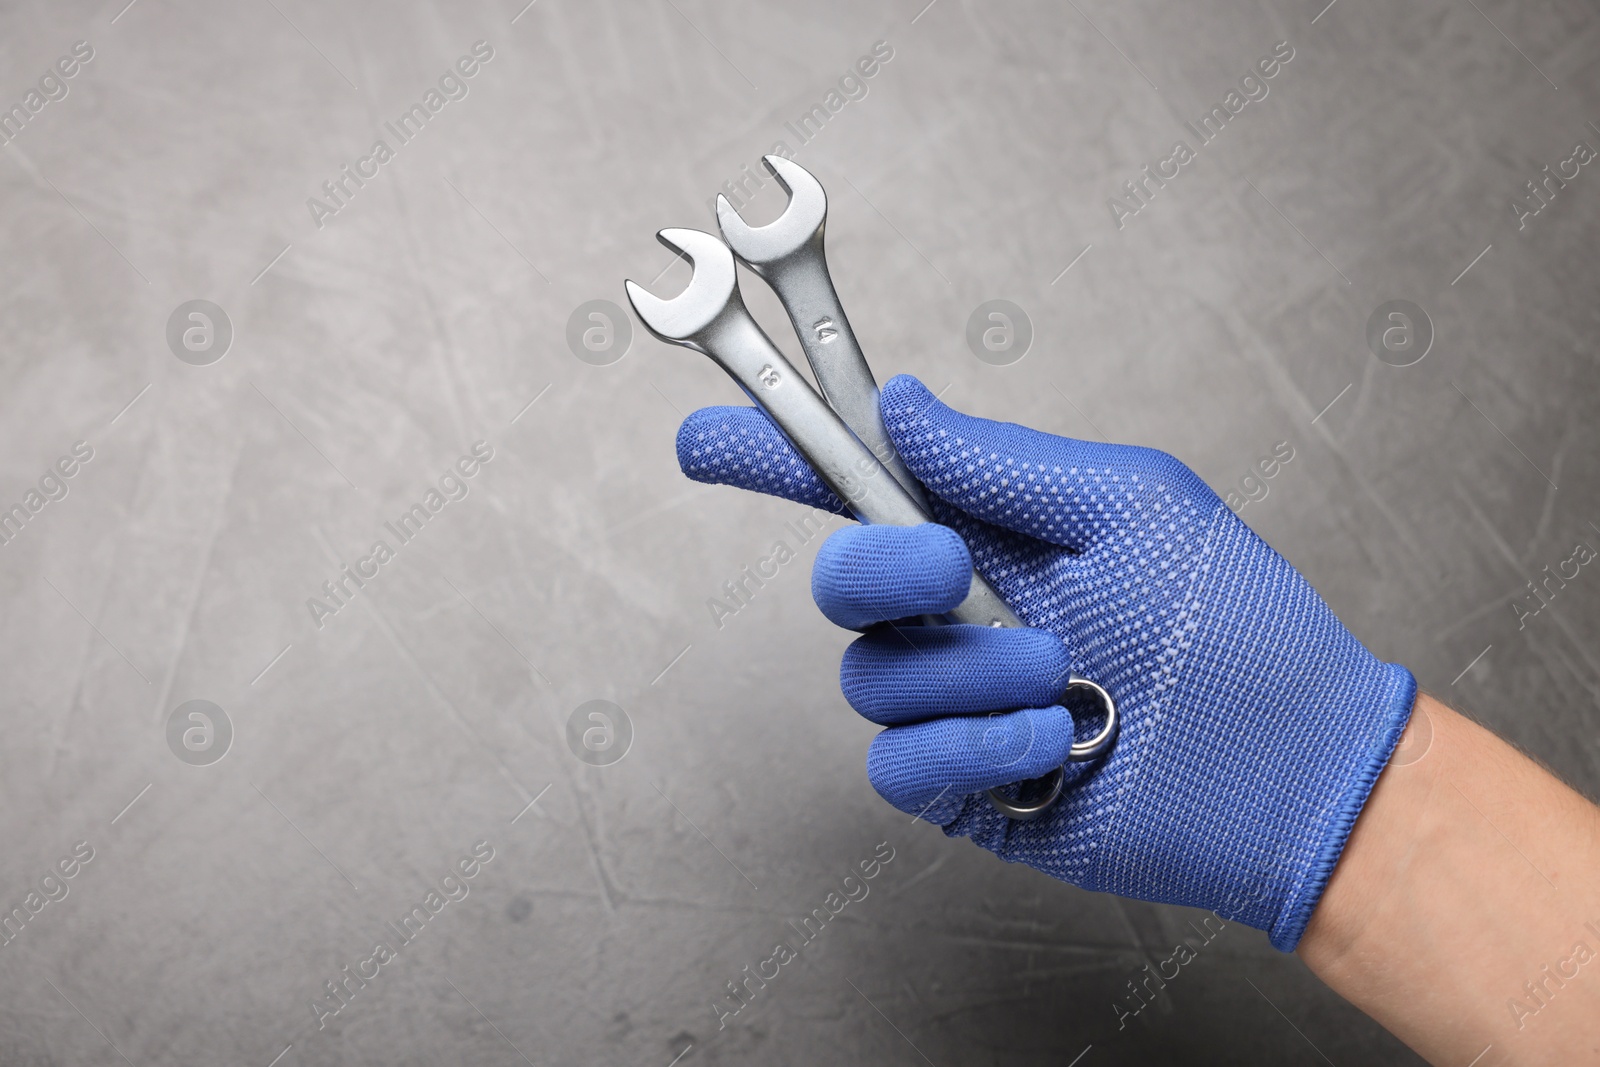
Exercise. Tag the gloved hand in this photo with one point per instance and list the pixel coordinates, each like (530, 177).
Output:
(1253, 724)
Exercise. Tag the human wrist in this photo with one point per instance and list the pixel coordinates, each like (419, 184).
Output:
(1471, 874)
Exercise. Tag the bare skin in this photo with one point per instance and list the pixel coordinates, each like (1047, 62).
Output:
(1464, 914)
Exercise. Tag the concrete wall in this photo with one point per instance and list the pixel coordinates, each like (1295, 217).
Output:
(375, 340)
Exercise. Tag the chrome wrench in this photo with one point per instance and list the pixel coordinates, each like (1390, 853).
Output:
(710, 317)
(788, 255)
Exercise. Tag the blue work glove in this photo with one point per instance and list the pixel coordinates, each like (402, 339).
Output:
(1253, 724)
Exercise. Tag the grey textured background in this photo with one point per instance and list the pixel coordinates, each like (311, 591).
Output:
(428, 313)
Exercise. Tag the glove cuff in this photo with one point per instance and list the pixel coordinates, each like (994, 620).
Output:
(1397, 697)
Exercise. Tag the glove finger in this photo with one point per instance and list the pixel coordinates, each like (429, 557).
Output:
(913, 766)
(740, 446)
(869, 574)
(905, 674)
(1057, 489)
(1049, 587)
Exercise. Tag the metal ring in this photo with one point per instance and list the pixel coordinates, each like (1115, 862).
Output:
(1080, 752)
(1025, 812)
(1097, 745)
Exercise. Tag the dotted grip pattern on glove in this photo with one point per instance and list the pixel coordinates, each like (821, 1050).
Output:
(1254, 724)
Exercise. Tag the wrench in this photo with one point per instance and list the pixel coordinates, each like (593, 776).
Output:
(788, 255)
(710, 317)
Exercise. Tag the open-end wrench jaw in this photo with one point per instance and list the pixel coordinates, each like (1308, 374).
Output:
(711, 295)
(800, 225)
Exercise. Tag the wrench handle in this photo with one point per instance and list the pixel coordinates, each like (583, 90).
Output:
(843, 375)
(843, 462)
